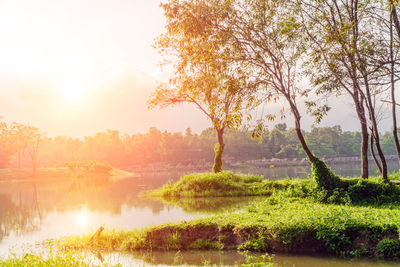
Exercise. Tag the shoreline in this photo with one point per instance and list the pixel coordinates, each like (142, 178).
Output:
(56, 174)
(253, 232)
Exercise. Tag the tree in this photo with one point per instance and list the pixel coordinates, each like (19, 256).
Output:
(204, 74)
(341, 47)
(7, 144)
(393, 20)
(265, 35)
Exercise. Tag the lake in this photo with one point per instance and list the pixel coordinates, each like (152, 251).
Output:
(32, 211)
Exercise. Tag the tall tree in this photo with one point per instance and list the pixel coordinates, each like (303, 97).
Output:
(266, 37)
(393, 20)
(204, 74)
(341, 37)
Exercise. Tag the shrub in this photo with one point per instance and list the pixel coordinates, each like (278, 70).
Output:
(324, 177)
(388, 248)
(332, 189)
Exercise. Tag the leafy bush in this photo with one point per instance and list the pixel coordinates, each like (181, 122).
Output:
(324, 177)
(388, 248)
(332, 189)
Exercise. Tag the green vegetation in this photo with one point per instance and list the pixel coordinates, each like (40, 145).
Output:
(388, 248)
(329, 214)
(188, 148)
(220, 184)
(332, 189)
(277, 224)
(34, 260)
(326, 187)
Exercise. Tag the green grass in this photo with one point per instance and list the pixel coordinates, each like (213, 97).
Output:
(223, 184)
(276, 224)
(357, 218)
(35, 260)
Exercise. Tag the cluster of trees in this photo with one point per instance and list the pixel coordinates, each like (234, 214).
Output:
(231, 56)
(18, 140)
(123, 150)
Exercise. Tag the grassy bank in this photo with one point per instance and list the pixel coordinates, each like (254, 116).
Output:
(63, 260)
(354, 217)
(276, 224)
(223, 184)
(142, 259)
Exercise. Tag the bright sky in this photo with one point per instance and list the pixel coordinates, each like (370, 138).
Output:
(75, 67)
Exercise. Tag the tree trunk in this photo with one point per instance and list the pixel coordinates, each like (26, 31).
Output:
(375, 131)
(303, 143)
(359, 103)
(297, 119)
(392, 83)
(373, 154)
(364, 150)
(382, 156)
(219, 149)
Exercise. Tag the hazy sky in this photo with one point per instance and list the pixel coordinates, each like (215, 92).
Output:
(76, 67)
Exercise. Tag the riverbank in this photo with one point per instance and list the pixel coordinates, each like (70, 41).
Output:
(277, 224)
(292, 220)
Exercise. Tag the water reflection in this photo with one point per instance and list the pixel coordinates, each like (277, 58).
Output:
(233, 258)
(42, 209)
(211, 205)
(342, 169)
(31, 212)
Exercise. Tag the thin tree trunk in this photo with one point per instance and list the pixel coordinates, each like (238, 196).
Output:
(303, 143)
(373, 154)
(364, 150)
(219, 150)
(375, 132)
(359, 103)
(382, 156)
(300, 136)
(392, 83)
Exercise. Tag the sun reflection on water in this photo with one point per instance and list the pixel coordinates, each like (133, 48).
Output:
(82, 219)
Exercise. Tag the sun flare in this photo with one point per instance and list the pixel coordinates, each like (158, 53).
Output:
(81, 219)
(72, 91)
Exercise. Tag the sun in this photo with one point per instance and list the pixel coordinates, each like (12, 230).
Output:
(72, 91)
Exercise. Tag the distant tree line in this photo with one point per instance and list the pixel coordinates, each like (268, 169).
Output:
(23, 145)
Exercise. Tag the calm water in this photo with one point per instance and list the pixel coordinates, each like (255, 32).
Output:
(34, 211)
(343, 169)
